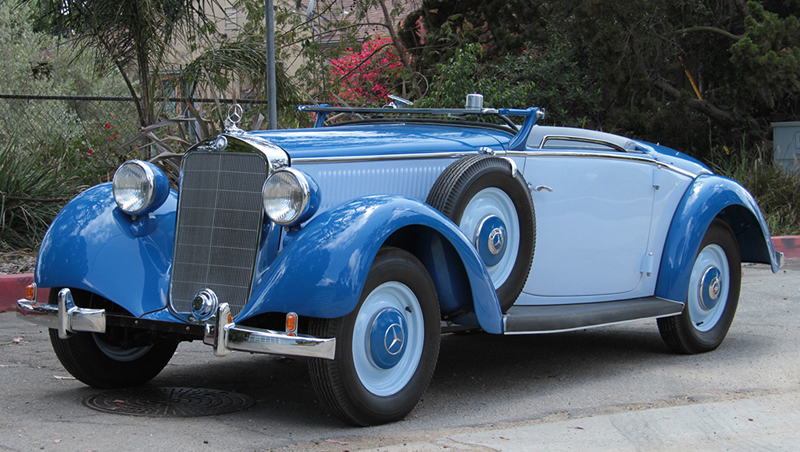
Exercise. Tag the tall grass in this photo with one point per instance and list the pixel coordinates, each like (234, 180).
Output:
(32, 191)
(777, 191)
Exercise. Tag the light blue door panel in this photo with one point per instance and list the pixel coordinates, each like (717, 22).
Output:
(593, 227)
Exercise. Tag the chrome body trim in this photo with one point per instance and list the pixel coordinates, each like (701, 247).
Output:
(601, 155)
(537, 153)
(381, 158)
(581, 140)
(513, 166)
(577, 328)
(64, 317)
(274, 157)
(225, 337)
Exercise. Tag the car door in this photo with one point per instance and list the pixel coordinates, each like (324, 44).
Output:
(594, 203)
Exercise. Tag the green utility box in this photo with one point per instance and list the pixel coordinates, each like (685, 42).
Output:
(786, 145)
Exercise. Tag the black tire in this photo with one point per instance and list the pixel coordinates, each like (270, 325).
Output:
(713, 295)
(101, 361)
(354, 387)
(467, 179)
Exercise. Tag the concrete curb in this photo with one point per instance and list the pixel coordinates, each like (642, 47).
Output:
(12, 287)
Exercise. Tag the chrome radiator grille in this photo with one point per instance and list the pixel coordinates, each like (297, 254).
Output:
(218, 227)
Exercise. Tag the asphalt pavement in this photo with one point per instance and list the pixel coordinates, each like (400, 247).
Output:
(610, 388)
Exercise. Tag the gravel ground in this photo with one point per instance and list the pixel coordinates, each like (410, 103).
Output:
(16, 262)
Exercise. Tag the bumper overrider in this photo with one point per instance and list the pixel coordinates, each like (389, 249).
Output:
(219, 332)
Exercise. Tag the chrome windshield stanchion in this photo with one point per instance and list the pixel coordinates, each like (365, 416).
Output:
(225, 336)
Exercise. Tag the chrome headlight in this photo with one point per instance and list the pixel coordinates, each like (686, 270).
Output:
(290, 197)
(140, 187)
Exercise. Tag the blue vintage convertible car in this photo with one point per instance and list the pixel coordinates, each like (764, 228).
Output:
(356, 243)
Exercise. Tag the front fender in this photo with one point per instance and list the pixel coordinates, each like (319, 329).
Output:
(711, 196)
(322, 270)
(91, 246)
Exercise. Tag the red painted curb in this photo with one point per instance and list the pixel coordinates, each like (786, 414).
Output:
(12, 288)
(789, 245)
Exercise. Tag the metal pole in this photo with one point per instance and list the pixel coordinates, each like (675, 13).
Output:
(272, 115)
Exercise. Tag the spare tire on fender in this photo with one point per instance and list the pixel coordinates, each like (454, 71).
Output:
(491, 203)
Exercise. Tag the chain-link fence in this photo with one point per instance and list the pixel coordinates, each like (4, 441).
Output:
(93, 124)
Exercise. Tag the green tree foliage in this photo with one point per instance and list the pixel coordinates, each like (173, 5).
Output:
(768, 57)
(435, 31)
(628, 66)
(124, 33)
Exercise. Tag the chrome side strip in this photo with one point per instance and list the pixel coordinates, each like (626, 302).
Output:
(226, 336)
(537, 153)
(64, 317)
(613, 156)
(381, 158)
(582, 140)
(566, 330)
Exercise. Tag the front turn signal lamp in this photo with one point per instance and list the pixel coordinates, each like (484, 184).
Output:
(30, 292)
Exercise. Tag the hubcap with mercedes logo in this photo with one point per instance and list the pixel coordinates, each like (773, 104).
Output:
(387, 338)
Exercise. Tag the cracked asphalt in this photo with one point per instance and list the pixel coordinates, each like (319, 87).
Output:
(610, 388)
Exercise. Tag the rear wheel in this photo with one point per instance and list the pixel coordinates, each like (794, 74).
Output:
(713, 296)
(111, 360)
(386, 349)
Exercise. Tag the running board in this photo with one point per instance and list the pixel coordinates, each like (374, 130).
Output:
(568, 317)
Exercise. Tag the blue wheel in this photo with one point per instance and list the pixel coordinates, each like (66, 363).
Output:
(386, 349)
(713, 296)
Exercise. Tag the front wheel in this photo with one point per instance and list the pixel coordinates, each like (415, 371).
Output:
(713, 296)
(386, 349)
(110, 360)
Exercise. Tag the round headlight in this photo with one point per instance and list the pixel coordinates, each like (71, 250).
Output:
(290, 197)
(139, 187)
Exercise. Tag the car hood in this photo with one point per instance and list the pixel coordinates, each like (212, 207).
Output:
(382, 139)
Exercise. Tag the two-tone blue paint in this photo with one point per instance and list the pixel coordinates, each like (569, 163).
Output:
(320, 272)
(711, 196)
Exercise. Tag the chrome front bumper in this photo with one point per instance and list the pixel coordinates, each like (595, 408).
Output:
(226, 336)
(222, 334)
(64, 317)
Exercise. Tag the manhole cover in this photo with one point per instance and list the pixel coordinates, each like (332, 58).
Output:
(168, 402)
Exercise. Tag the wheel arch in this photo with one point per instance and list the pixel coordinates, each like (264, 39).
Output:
(329, 258)
(443, 263)
(710, 197)
(91, 240)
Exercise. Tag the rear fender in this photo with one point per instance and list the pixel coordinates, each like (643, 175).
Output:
(711, 196)
(322, 270)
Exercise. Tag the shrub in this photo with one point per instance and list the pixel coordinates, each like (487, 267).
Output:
(777, 192)
(32, 193)
(368, 75)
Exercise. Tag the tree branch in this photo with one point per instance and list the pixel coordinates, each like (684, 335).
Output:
(702, 106)
(720, 31)
(401, 52)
